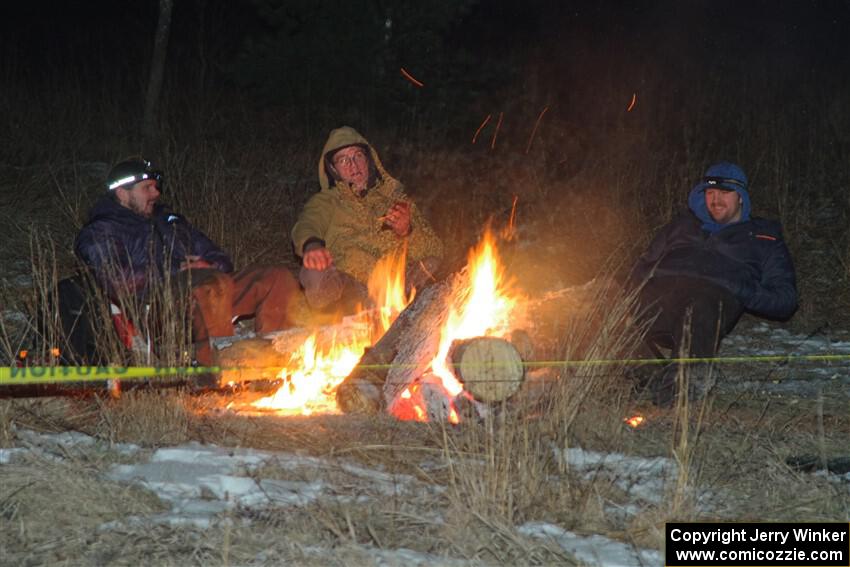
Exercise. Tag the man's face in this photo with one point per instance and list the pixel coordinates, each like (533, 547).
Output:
(140, 198)
(352, 165)
(724, 206)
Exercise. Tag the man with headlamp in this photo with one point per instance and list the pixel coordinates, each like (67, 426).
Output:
(132, 243)
(702, 271)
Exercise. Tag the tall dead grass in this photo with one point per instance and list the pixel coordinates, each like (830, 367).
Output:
(160, 318)
(502, 469)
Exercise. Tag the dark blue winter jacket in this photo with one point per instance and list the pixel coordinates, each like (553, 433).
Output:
(126, 250)
(747, 258)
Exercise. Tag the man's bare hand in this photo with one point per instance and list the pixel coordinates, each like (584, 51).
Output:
(398, 218)
(317, 258)
(193, 262)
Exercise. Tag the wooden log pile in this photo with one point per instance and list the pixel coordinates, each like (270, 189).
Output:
(491, 370)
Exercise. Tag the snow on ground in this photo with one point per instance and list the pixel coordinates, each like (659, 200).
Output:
(641, 478)
(644, 481)
(201, 483)
(595, 549)
(796, 378)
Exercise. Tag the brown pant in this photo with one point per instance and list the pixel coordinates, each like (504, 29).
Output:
(262, 292)
(324, 288)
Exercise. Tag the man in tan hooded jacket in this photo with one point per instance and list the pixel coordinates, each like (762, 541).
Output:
(360, 215)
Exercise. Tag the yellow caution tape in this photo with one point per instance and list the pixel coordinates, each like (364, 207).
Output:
(12, 375)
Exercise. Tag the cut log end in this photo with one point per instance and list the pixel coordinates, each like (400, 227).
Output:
(490, 368)
(359, 395)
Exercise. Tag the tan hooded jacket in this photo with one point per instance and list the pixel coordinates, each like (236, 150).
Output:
(351, 226)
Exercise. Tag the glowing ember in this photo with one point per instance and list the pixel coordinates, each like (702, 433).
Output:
(634, 421)
(453, 417)
(411, 78)
(411, 405)
(509, 232)
(311, 378)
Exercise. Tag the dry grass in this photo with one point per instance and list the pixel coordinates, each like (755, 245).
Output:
(497, 474)
(147, 418)
(53, 510)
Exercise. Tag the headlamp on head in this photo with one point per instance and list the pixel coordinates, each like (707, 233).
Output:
(131, 172)
(723, 183)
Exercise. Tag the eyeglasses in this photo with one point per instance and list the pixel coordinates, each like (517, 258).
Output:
(723, 181)
(347, 161)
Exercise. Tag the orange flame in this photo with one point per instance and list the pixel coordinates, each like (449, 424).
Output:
(482, 304)
(386, 288)
(310, 380)
(483, 308)
(314, 371)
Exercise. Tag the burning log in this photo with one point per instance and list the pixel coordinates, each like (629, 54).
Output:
(262, 358)
(399, 357)
(490, 368)
(250, 359)
(387, 373)
(415, 359)
(403, 355)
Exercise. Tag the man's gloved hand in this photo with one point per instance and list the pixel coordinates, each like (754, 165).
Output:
(317, 257)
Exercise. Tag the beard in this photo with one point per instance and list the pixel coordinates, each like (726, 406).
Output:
(142, 209)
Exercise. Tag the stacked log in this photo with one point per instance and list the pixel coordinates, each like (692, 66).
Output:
(491, 369)
(400, 356)
(262, 357)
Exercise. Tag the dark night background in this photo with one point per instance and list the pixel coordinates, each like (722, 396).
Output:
(301, 56)
(252, 87)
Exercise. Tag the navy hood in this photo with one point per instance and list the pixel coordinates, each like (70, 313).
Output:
(723, 175)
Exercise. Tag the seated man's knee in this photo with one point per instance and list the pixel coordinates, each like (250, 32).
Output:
(322, 287)
(214, 285)
(280, 275)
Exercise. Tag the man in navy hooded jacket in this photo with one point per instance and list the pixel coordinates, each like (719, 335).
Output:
(704, 269)
(131, 241)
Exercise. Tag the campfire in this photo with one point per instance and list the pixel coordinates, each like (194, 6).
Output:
(481, 303)
(311, 378)
(424, 354)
